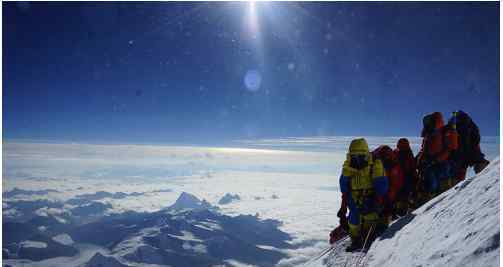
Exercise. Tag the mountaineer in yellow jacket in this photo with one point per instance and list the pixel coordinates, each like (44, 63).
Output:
(365, 184)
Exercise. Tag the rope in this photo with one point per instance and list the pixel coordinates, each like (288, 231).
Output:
(323, 252)
(327, 250)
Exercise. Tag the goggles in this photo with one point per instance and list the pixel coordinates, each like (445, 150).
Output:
(358, 161)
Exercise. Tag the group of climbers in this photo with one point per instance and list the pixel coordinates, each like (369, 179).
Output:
(381, 185)
(446, 153)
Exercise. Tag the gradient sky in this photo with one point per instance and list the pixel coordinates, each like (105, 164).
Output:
(171, 72)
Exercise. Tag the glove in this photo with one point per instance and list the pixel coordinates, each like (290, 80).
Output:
(341, 213)
(379, 209)
(344, 224)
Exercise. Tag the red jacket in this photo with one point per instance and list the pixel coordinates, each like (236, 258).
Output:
(405, 158)
(438, 144)
(396, 180)
(393, 170)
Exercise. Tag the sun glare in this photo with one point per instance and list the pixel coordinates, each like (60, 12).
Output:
(252, 19)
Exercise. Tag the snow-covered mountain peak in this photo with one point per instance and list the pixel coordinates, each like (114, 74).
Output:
(99, 260)
(187, 201)
(228, 198)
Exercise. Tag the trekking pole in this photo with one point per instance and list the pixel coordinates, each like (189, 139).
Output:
(365, 244)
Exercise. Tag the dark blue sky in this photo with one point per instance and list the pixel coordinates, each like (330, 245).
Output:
(169, 72)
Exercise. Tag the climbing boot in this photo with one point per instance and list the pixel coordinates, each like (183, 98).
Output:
(356, 244)
(480, 166)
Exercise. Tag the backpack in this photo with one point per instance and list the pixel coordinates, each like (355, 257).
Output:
(428, 125)
(441, 140)
(406, 161)
(468, 131)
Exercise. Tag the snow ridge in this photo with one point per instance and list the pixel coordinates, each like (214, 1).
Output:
(188, 201)
(460, 227)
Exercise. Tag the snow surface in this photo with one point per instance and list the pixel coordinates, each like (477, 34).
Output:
(457, 228)
(63, 239)
(186, 236)
(33, 244)
(86, 251)
(198, 248)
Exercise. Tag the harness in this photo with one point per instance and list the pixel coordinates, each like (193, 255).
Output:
(362, 196)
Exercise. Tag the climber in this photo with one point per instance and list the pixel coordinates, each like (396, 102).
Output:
(364, 182)
(434, 159)
(408, 194)
(468, 153)
(395, 178)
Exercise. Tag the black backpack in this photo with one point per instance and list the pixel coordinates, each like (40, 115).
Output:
(468, 131)
(428, 125)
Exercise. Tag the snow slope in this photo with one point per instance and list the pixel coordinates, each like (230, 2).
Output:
(458, 228)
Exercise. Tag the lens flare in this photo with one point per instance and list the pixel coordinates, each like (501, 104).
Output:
(252, 80)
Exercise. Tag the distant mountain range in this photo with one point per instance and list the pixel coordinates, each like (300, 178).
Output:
(190, 232)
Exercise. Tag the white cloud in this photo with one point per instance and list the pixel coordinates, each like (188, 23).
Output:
(45, 211)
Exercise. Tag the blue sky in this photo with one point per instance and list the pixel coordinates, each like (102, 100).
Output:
(175, 72)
